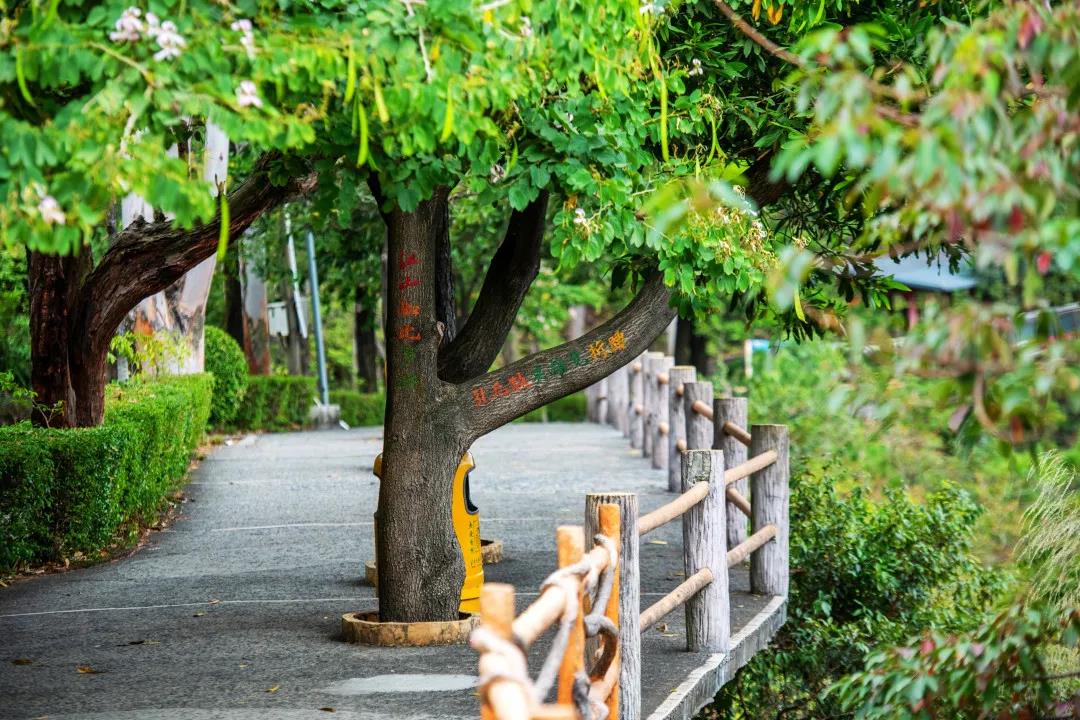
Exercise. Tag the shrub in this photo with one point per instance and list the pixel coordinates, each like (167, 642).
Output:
(360, 409)
(864, 573)
(226, 362)
(67, 491)
(1000, 670)
(275, 402)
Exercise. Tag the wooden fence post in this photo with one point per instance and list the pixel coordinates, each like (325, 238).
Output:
(652, 362)
(611, 528)
(602, 400)
(636, 411)
(708, 623)
(570, 545)
(629, 593)
(699, 429)
(769, 489)
(497, 615)
(661, 404)
(679, 375)
(733, 410)
(616, 405)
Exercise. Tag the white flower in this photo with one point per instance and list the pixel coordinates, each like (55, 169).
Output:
(50, 211)
(569, 117)
(497, 173)
(168, 39)
(153, 25)
(247, 95)
(696, 68)
(247, 37)
(649, 8)
(526, 27)
(129, 27)
(579, 217)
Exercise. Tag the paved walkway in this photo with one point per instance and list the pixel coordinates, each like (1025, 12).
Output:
(234, 611)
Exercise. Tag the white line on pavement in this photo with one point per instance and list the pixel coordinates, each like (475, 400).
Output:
(190, 604)
(292, 525)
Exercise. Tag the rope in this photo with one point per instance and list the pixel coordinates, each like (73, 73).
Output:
(597, 586)
(607, 580)
(514, 664)
(550, 669)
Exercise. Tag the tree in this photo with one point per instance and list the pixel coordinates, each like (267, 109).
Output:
(616, 134)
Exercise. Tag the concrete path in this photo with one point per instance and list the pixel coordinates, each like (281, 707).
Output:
(234, 611)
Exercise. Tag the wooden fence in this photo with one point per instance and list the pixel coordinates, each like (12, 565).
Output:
(725, 475)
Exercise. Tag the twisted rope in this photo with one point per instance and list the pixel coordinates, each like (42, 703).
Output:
(598, 587)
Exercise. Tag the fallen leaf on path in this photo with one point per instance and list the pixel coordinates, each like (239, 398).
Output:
(214, 602)
(273, 689)
(22, 661)
(87, 670)
(658, 542)
(198, 614)
(328, 709)
(662, 627)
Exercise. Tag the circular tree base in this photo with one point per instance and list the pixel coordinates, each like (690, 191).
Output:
(491, 552)
(364, 628)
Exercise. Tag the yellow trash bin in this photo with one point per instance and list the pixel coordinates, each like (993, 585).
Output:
(466, 518)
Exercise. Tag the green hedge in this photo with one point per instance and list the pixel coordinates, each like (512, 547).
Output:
(68, 491)
(567, 409)
(359, 409)
(275, 402)
(226, 362)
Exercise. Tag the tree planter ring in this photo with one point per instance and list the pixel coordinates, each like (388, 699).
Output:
(491, 551)
(364, 628)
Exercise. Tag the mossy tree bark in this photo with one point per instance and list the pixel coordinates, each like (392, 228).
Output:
(441, 396)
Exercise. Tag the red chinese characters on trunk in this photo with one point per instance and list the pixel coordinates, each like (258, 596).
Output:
(556, 368)
(407, 331)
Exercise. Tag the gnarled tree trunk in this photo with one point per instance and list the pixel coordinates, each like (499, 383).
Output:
(440, 397)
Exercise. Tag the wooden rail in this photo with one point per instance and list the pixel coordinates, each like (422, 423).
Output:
(676, 598)
(724, 474)
(506, 692)
(674, 509)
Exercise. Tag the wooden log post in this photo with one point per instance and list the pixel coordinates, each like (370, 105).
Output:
(708, 622)
(616, 392)
(652, 362)
(769, 489)
(497, 615)
(679, 376)
(629, 592)
(733, 410)
(570, 546)
(662, 403)
(699, 429)
(636, 412)
(602, 400)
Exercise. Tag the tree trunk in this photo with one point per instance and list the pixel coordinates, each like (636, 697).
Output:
(420, 565)
(367, 367)
(234, 298)
(690, 349)
(430, 423)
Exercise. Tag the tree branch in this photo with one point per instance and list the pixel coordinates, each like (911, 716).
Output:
(494, 399)
(509, 276)
(148, 257)
(749, 31)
